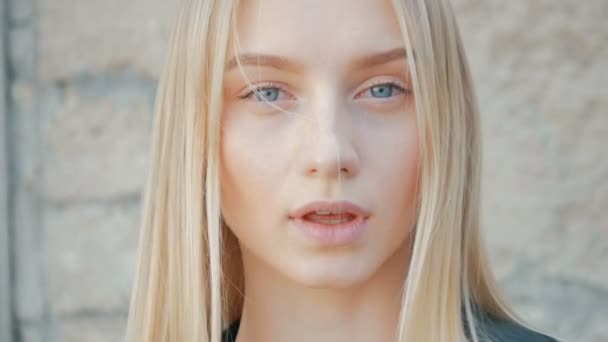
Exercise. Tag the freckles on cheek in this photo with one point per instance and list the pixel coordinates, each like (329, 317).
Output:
(252, 172)
(410, 156)
(400, 155)
(240, 176)
(256, 144)
(250, 156)
(239, 155)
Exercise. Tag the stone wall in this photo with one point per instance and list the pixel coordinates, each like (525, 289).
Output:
(81, 78)
(541, 68)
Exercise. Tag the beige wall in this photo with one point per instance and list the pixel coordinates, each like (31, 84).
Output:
(82, 76)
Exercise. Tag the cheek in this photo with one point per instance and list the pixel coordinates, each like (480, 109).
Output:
(250, 166)
(396, 167)
(406, 165)
(393, 152)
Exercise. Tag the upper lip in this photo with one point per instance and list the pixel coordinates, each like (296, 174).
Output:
(334, 206)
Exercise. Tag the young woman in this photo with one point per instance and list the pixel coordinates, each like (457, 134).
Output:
(315, 177)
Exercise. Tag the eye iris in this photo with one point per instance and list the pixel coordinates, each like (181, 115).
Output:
(267, 94)
(382, 90)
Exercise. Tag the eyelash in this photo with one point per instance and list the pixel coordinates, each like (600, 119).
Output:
(403, 89)
(261, 87)
(281, 87)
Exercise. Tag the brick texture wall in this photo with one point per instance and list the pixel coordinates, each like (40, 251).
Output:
(81, 78)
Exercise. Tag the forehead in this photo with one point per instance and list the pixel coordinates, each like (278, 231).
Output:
(324, 32)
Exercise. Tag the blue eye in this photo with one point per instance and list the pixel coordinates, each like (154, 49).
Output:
(384, 90)
(267, 94)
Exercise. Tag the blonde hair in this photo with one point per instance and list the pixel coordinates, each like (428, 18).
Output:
(189, 282)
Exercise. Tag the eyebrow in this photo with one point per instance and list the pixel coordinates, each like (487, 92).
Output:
(283, 63)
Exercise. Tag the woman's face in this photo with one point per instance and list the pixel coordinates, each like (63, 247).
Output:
(331, 118)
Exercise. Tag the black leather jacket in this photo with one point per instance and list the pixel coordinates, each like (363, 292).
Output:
(491, 331)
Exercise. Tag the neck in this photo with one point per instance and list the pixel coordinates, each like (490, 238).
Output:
(279, 309)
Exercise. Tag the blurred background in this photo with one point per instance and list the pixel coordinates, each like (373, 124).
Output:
(77, 85)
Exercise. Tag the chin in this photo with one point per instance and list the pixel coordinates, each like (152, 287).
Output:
(329, 271)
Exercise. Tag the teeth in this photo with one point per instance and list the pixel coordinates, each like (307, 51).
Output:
(323, 212)
(335, 221)
(330, 212)
(328, 217)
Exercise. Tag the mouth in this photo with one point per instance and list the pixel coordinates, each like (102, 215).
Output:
(331, 223)
(330, 212)
(329, 218)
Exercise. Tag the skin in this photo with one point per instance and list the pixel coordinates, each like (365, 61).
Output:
(335, 129)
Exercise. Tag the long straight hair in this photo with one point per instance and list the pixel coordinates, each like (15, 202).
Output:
(189, 280)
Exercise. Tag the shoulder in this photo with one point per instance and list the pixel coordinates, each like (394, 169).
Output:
(507, 331)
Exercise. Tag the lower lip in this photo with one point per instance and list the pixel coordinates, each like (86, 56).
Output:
(332, 234)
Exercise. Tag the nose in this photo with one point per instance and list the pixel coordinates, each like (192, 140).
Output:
(330, 152)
